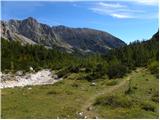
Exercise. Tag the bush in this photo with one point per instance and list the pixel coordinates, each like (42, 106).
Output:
(93, 76)
(75, 85)
(63, 73)
(148, 106)
(51, 92)
(110, 83)
(97, 72)
(88, 70)
(116, 71)
(114, 101)
(73, 69)
(155, 97)
(154, 67)
(90, 77)
(66, 71)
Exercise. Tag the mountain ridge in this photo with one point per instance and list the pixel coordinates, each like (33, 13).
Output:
(69, 39)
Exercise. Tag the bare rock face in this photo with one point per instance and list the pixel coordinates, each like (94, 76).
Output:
(69, 39)
(19, 79)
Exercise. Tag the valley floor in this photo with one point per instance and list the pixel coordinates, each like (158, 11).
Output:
(134, 96)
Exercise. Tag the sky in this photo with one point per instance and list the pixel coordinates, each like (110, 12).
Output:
(128, 20)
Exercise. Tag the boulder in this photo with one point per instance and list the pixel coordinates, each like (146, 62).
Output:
(93, 84)
(19, 73)
(30, 68)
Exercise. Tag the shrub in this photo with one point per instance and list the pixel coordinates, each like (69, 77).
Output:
(129, 89)
(135, 87)
(97, 72)
(93, 76)
(90, 77)
(154, 67)
(155, 97)
(110, 83)
(52, 92)
(73, 69)
(114, 101)
(75, 85)
(62, 73)
(66, 71)
(88, 70)
(148, 106)
(116, 71)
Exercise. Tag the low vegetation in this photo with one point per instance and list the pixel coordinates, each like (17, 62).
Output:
(141, 100)
(65, 99)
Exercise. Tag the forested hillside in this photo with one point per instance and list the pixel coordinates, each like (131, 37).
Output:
(137, 54)
(115, 64)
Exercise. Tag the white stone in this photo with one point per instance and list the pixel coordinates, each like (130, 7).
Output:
(93, 84)
(81, 113)
(30, 68)
(29, 88)
(19, 73)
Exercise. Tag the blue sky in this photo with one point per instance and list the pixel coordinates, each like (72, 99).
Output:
(128, 20)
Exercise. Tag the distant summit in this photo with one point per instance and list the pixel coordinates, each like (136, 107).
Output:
(83, 40)
(156, 36)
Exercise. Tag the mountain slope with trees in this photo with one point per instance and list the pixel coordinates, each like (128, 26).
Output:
(116, 63)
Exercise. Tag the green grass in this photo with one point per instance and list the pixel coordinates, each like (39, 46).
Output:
(140, 102)
(64, 99)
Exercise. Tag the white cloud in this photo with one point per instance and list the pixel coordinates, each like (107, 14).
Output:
(110, 5)
(121, 16)
(115, 10)
(146, 2)
(121, 10)
(116, 14)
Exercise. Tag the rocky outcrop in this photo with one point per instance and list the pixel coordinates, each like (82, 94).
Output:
(42, 77)
(70, 39)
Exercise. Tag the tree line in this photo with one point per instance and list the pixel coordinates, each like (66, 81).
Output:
(116, 63)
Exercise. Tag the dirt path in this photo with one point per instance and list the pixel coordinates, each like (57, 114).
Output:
(88, 103)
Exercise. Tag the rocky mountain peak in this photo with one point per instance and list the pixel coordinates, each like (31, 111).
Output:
(65, 38)
(31, 20)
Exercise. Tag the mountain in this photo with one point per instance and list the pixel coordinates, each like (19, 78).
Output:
(155, 36)
(84, 40)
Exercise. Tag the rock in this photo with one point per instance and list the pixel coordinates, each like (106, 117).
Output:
(55, 76)
(19, 73)
(82, 69)
(39, 78)
(2, 78)
(30, 68)
(93, 84)
(28, 76)
(60, 79)
(81, 115)
(89, 108)
(96, 117)
(68, 39)
(29, 88)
